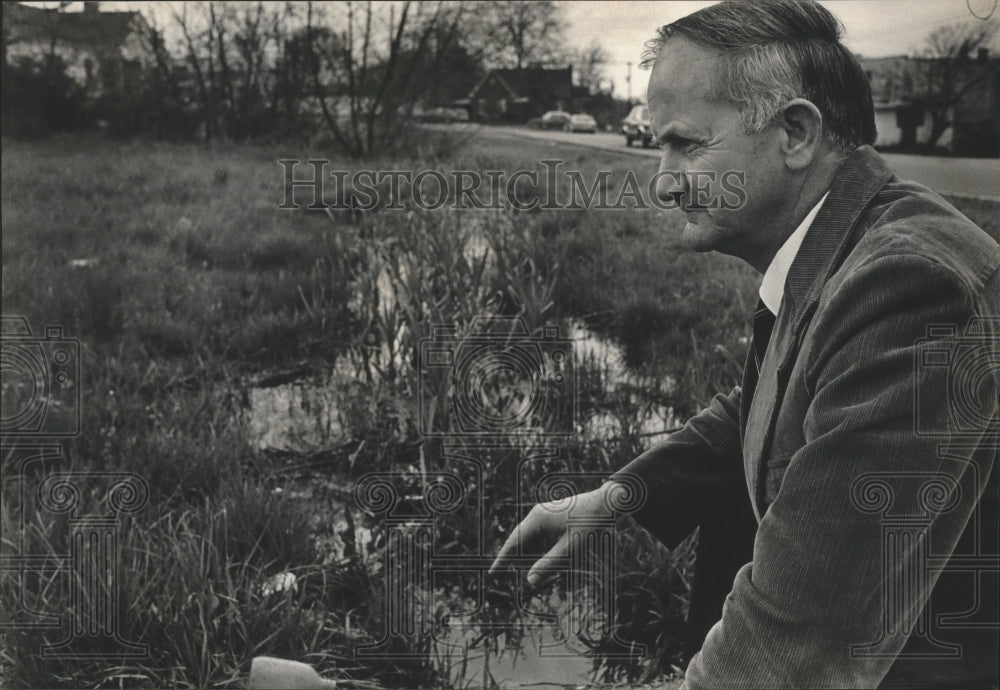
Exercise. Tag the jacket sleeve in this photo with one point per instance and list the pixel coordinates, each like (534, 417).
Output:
(691, 473)
(811, 609)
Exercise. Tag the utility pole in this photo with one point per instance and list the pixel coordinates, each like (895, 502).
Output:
(628, 81)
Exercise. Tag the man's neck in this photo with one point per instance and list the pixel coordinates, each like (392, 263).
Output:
(816, 182)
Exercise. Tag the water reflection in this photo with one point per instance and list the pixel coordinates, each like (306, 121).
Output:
(307, 414)
(298, 417)
(635, 409)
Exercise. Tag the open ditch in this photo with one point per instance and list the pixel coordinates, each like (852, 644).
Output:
(314, 421)
(306, 417)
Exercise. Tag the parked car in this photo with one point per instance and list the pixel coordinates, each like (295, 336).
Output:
(581, 122)
(555, 119)
(636, 126)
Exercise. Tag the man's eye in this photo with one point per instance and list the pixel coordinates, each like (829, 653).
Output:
(679, 144)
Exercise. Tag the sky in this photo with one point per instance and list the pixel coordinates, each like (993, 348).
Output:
(873, 28)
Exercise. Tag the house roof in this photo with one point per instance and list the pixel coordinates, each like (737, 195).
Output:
(495, 77)
(531, 82)
(98, 29)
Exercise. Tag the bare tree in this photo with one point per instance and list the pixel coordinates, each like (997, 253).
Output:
(369, 72)
(162, 81)
(237, 56)
(588, 65)
(525, 31)
(358, 68)
(198, 50)
(291, 73)
(950, 71)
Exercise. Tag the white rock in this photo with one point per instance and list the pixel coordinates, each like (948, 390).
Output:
(281, 582)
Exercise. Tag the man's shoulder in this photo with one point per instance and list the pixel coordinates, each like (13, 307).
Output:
(907, 220)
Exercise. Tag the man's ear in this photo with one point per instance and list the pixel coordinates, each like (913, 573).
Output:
(802, 124)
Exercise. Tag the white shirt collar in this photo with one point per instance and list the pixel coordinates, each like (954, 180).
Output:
(772, 288)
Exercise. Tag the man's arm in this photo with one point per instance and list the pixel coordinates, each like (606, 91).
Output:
(685, 478)
(692, 473)
(813, 595)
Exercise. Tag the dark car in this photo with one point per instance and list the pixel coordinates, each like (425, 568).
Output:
(636, 126)
(555, 119)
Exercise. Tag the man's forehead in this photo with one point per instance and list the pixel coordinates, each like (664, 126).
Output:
(683, 68)
(682, 80)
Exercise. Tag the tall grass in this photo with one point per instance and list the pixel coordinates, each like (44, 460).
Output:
(201, 285)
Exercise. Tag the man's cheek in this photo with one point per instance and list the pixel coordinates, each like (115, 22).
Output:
(733, 186)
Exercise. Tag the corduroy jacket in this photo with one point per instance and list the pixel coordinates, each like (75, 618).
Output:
(869, 452)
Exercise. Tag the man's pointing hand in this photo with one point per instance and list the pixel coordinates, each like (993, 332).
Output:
(545, 527)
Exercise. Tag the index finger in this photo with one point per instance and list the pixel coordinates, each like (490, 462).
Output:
(521, 537)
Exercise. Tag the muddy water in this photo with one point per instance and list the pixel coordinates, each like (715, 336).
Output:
(307, 415)
(549, 656)
(599, 354)
(314, 414)
(545, 659)
(296, 416)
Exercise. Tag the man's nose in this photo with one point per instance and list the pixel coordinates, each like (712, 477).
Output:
(671, 183)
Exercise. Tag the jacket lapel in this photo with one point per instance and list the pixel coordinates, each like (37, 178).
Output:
(833, 233)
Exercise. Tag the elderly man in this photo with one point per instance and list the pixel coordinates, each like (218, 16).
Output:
(846, 493)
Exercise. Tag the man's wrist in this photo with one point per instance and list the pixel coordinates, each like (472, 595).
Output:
(607, 491)
(614, 496)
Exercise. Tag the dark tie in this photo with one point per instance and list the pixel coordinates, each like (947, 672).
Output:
(725, 539)
(763, 324)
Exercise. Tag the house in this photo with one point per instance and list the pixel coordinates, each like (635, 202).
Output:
(899, 118)
(102, 51)
(977, 117)
(902, 100)
(517, 95)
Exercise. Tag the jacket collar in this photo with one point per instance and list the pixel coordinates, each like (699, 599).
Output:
(862, 174)
(835, 230)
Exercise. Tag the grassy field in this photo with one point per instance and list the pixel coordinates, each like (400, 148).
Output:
(185, 285)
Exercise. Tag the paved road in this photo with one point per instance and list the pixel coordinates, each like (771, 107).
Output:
(977, 177)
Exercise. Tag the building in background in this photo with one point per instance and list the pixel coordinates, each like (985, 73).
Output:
(517, 95)
(102, 51)
(948, 104)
